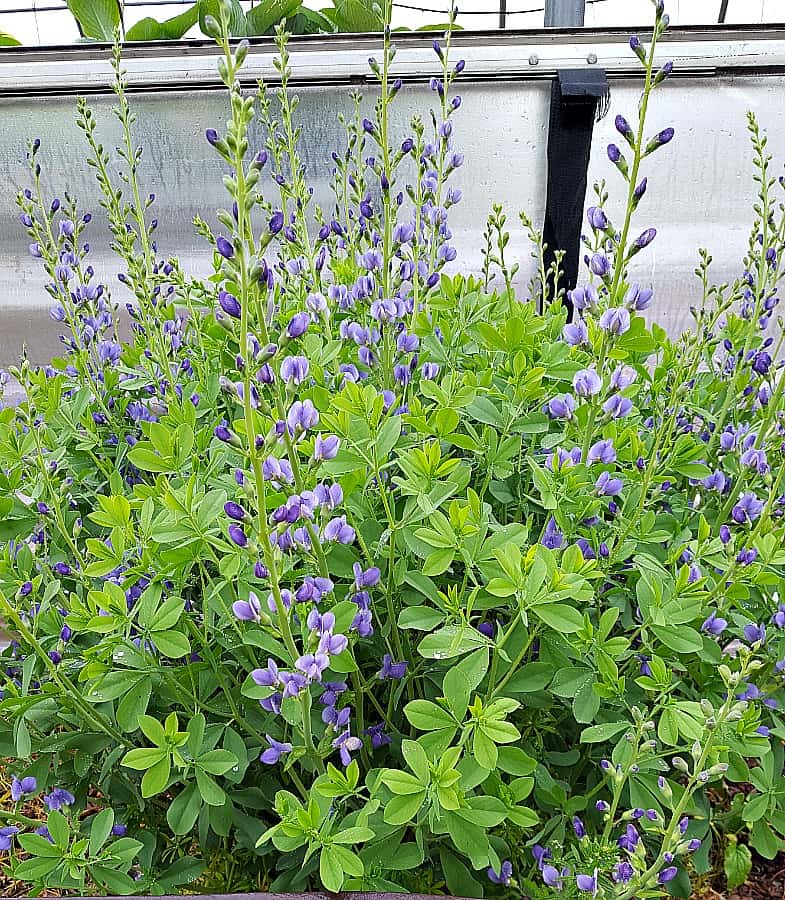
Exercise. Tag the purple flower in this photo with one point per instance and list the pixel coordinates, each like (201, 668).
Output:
(229, 304)
(778, 619)
(301, 416)
(119, 830)
(392, 669)
(325, 448)
(602, 451)
(747, 508)
(561, 407)
(249, 610)
(578, 827)
(275, 751)
(643, 240)
(715, 482)
(365, 578)
(600, 264)
(586, 383)
(312, 665)
(629, 840)
(333, 644)
(22, 786)
(347, 744)
(622, 377)
(269, 677)
(622, 872)
(714, 625)
(429, 371)
(587, 883)
(597, 218)
(212, 136)
(377, 735)
(298, 324)
(576, 333)
(638, 298)
(552, 877)
(7, 833)
(237, 535)
(59, 798)
(615, 320)
(224, 247)
(338, 530)
(665, 136)
(235, 511)
(294, 369)
(504, 874)
(667, 875)
(755, 633)
(617, 407)
(623, 126)
(552, 537)
(584, 298)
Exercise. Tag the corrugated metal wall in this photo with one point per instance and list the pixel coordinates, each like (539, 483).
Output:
(700, 186)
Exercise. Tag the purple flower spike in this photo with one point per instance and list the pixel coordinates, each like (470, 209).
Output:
(503, 876)
(276, 750)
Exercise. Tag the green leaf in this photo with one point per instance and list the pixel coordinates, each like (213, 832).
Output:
(356, 16)
(402, 783)
(216, 762)
(143, 757)
(569, 679)
(738, 862)
(211, 793)
(425, 715)
(330, 871)
(7, 40)
(153, 730)
(263, 18)
(681, 639)
(100, 829)
(237, 24)
(148, 29)
(133, 705)
(149, 461)
(450, 641)
(173, 644)
(514, 761)
(586, 703)
(417, 760)
(57, 824)
(596, 734)
(457, 690)
(184, 810)
(560, 617)
(419, 618)
(402, 809)
(156, 777)
(484, 749)
(534, 676)
(97, 19)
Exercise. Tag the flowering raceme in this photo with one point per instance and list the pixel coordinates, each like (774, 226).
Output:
(344, 571)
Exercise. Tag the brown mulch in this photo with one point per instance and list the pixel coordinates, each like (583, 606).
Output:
(766, 882)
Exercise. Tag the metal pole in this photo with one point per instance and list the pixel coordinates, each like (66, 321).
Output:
(502, 13)
(723, 11)
(564, 13)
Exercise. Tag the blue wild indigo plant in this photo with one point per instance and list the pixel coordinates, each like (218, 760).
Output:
(345, 572)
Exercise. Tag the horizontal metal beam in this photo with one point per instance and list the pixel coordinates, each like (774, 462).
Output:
(342, 60)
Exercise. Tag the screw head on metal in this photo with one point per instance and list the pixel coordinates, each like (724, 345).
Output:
(591, 59)
(534, 59)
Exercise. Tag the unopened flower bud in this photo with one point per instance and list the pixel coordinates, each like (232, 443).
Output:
(680, 764)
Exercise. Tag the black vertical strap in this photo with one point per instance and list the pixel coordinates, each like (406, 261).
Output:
(578, 98)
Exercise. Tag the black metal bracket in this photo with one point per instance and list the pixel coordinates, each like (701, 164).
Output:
(579, 97)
